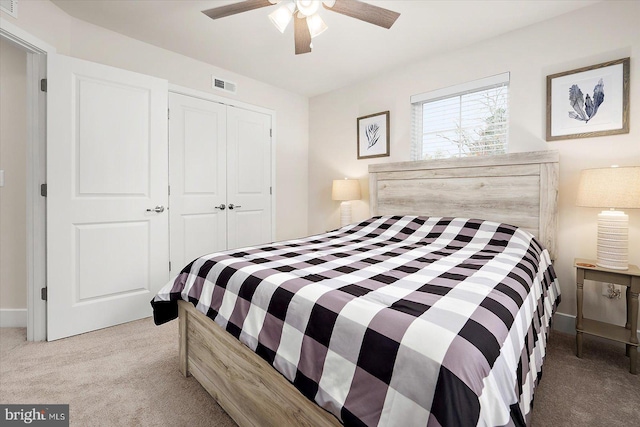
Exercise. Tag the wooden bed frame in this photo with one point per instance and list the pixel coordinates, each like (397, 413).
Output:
(519, 189)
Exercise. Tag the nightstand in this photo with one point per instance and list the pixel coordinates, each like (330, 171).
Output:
(588, 270)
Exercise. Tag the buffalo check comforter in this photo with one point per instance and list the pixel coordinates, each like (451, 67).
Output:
(395, 321)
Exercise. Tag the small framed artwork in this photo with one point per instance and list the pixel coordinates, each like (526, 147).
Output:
(373, 135)
(589, 101)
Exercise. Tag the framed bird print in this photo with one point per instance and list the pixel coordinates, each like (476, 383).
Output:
(373, 135)
(589, 101)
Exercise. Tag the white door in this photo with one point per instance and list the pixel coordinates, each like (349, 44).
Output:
(198, 178)
(248, 177)
(107, 249)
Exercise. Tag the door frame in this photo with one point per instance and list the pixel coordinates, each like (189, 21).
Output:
(181, 90)
(37, 52)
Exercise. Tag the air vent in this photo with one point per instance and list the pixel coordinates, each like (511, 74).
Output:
(10, 7)
(224, 85)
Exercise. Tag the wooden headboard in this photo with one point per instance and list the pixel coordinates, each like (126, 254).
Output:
(519, 189)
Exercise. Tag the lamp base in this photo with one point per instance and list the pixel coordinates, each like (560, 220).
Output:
(613, 240)
(345, 213)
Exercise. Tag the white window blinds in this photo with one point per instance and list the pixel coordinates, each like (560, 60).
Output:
(465, 120)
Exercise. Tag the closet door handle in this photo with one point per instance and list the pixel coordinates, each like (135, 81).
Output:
(232, 206)
(157, 209)
(222, 207)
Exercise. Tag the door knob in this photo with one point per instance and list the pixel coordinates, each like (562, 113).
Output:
(232, 206)
(222, 206)
(157, 209)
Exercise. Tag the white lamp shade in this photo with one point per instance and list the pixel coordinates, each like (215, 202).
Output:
(346, 189)
(615, 187)
(316, 25)
(282, 16)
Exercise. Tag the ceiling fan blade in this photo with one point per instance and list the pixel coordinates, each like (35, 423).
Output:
(301, 35)
(365, 12)
(232, 9)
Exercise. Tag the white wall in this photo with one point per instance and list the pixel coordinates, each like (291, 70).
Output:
(605, 31)
(13, 160)
(82, 40)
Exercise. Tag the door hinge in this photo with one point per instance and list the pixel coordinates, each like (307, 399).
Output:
(169, 265)
(271, 191)
(43, 190)
(271, 133)
(43, 294)
(169, 190)
(43, 85)
(168, 114)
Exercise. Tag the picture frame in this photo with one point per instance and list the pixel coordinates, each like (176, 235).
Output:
(589, 101)
(373, 135)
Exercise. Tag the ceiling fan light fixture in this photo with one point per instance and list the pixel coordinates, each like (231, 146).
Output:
(316, 25)
(307, 24)
(282, 16)
(308, 7)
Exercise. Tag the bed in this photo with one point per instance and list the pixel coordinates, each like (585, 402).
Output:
(433, 312)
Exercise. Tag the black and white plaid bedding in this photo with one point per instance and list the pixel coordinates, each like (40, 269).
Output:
(395, 321)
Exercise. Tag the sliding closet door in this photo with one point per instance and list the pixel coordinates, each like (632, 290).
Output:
(107, 226)
(248, 177)
(198, 178)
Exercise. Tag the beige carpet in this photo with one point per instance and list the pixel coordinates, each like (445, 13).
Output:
(121, 376)
(128, 376)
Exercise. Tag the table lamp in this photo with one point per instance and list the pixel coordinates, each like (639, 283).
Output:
(613, 188)
(345, 190)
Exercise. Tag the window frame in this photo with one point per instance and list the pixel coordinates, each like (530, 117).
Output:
(418, 101)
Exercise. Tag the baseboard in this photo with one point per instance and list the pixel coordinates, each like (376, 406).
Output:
(566, 323)
(13, 317)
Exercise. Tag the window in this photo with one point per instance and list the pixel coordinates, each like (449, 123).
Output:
(464, 120)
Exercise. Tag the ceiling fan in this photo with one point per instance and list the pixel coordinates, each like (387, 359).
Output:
(306, 21)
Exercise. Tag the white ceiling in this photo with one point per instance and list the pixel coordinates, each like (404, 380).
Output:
(349, 51)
